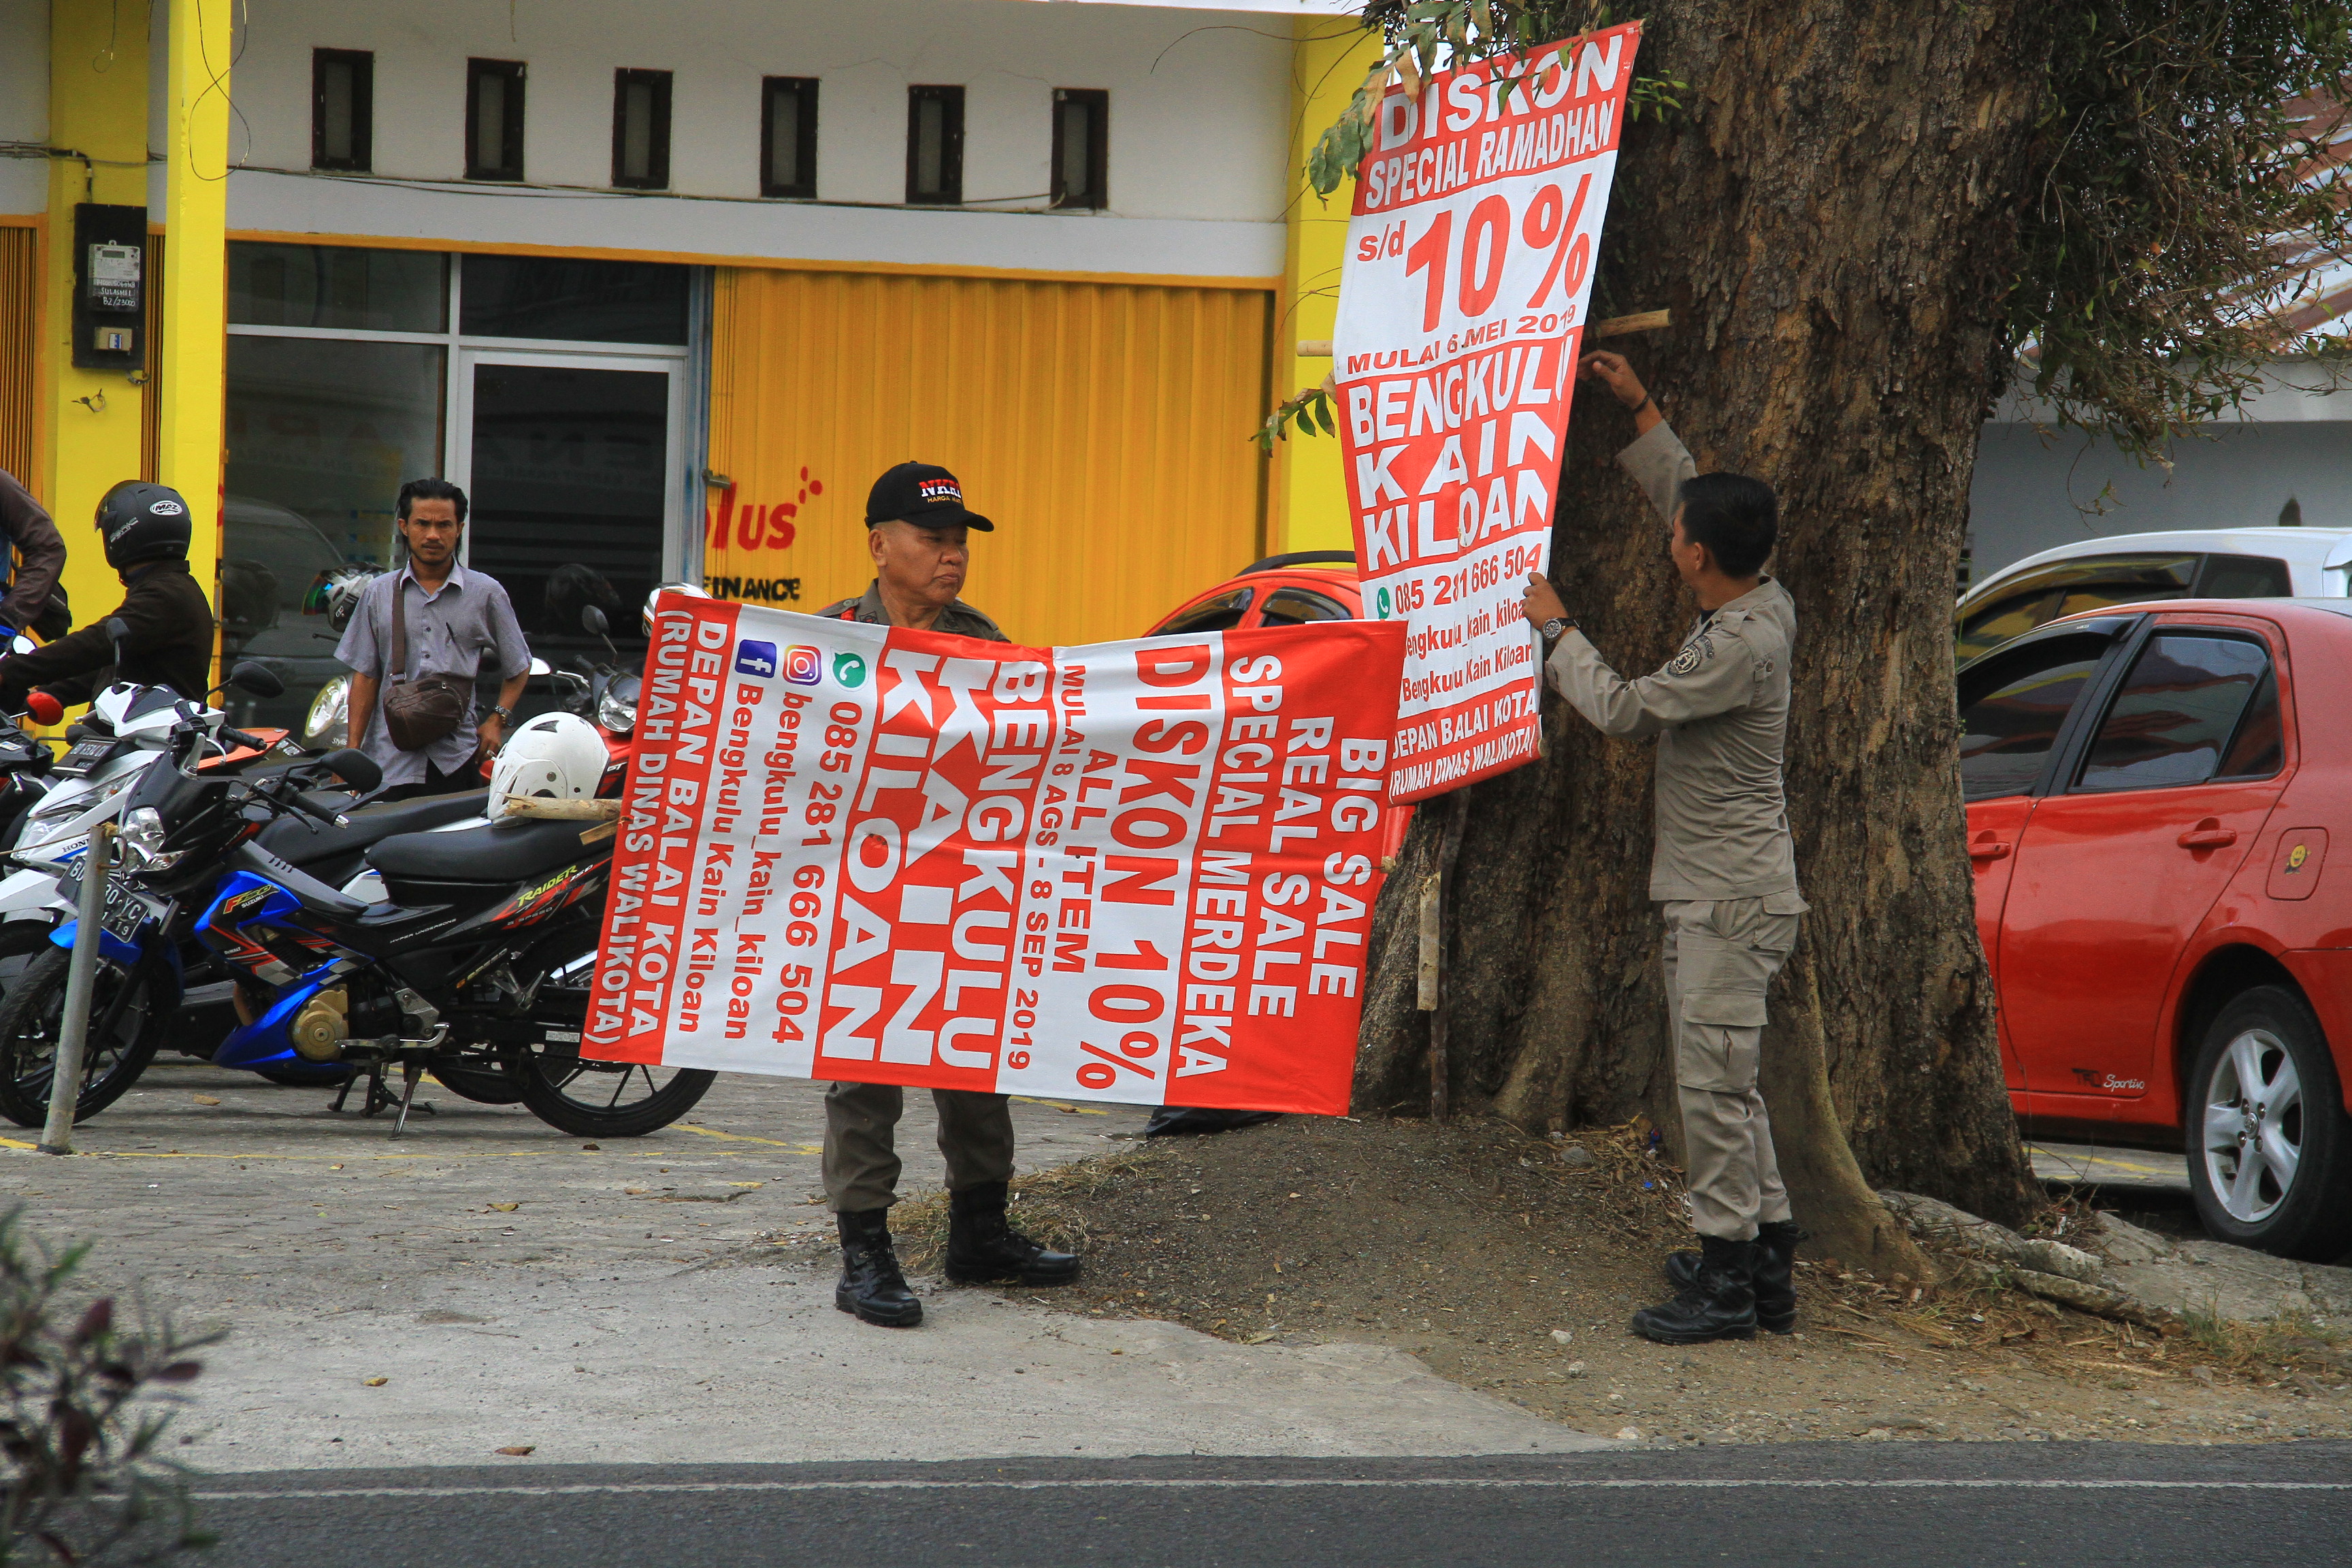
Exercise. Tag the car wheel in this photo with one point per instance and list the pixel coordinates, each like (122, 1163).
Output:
(2268, 1156)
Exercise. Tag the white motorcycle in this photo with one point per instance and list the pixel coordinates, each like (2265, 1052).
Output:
(128, 730)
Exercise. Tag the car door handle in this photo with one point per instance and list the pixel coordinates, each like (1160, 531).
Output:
(1987, 847)
(2208, 834)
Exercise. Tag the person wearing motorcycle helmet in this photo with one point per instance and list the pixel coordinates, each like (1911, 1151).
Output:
(556, 756)
(33, 600)
(167, 637)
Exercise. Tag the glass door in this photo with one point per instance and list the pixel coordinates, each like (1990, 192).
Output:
(573, 465)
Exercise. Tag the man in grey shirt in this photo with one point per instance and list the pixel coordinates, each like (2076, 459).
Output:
(1722, 869)
(455, 619)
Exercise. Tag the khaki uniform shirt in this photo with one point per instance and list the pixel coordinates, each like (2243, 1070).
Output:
(957, 619)
(1721, 711)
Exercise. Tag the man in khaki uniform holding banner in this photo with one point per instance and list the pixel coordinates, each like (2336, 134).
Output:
(1723, 868)
(916, 528)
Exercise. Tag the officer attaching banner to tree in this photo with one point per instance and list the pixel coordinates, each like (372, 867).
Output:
(1462, 308)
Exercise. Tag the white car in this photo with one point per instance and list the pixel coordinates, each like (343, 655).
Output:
(2134, 568)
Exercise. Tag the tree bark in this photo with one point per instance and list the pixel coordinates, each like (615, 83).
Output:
(1831, 225)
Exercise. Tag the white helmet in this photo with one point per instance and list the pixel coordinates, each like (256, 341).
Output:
(558, 757)
(646, 615)
(337, 594)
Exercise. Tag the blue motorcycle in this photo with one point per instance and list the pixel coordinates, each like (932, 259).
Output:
(476, 965)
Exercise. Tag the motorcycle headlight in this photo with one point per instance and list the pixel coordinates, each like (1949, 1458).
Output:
(330, 712)
(616, 711)
(141, 839)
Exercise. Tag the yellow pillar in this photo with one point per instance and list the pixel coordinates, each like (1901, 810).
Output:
(98, 112)
(1328, 60)
(195, 258)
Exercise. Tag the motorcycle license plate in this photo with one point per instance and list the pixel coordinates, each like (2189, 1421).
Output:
(84, 756)
(126, 910)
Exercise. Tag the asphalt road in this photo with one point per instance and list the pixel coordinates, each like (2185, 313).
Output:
(1866, 1504)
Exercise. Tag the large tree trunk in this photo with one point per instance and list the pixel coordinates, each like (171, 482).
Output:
(1831, 228)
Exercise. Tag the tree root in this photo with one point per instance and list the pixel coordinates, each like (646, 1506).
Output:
(1996, 1256)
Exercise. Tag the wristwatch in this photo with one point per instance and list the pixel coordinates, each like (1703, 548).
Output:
(1553, 628)
(505, 715)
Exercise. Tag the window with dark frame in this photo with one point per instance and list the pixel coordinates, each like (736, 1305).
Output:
(934, 146)
(2175, 717)
(1081, 147)
(343, 109)
(641, 129)
(494, 120)
(788, 136)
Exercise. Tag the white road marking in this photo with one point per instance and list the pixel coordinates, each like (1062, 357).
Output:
(1278, 1483)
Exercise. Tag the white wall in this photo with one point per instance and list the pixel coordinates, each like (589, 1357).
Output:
(1198, 108)
(23, 102)
(2035, 490)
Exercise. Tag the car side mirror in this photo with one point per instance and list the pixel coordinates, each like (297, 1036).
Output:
(256, 679)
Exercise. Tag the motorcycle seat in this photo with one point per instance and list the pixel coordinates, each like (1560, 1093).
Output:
(300, 841)
(507, 850)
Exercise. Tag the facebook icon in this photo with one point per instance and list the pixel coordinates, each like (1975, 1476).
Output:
(756, 659)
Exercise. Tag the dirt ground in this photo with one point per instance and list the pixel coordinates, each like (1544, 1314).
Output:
(1510, 1263)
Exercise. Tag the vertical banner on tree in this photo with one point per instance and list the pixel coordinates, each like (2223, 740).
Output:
(1137, 871)
(1462, 304)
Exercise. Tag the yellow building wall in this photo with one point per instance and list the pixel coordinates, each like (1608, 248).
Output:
(1328, 61)
(1103, 428)
(94, 418)
(192, 274)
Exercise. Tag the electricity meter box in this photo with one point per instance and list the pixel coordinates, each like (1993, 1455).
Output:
(110, 299)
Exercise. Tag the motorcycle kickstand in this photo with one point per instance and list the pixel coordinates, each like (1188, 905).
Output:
(344, 1094)
(412, 1073)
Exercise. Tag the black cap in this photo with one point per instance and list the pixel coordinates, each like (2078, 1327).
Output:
(923, 494)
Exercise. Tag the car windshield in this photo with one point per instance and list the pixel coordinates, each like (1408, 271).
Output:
(1294, 607)
(1221, 614)
(2066, 588)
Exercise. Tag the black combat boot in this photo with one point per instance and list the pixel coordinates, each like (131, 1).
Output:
(985, 1250)
(871, 1285)
(1775, 1282)
(1720, 1304)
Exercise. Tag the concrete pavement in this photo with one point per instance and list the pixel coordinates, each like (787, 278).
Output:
(513, 1287)
(2104, 1165)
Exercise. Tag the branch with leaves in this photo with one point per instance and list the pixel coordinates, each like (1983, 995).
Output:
(1310, 411)
(1421, 37)
(2183, 200)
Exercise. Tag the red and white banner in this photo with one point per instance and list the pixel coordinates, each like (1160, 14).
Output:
(1137, 871)
(1462, 310)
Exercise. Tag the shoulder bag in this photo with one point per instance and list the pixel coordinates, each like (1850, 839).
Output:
(420, 711)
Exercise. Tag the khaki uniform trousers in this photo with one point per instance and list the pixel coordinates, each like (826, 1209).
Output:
(1719, 958)
(861, 1158)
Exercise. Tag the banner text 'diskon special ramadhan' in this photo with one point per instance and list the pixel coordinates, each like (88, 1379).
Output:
(1462, 310)
(1138, 871)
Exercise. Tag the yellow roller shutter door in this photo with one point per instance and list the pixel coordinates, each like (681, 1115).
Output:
(1104, 427)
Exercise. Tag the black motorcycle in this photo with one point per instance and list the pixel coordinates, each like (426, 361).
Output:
(476, 966)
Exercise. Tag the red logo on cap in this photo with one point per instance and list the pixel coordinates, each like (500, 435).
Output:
(938, 489)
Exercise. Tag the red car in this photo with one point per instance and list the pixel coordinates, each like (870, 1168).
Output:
(1284, 591)
(2151, 796)
(1279, 591)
